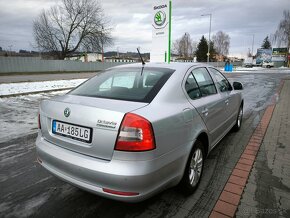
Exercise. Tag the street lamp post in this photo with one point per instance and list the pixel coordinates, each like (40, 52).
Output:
(102, 41)
(208, 49)
(253, 45)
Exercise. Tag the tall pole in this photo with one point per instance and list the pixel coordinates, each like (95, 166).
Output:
(102, 41)
(288, 53)
(169, 33)
(253, 45)
(209, 32)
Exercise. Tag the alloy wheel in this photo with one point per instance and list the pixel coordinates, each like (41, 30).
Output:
(195, 168)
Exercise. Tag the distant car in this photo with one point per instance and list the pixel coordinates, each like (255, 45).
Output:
(268, 64)
(132, 131)
(248, 62)
(248, 65)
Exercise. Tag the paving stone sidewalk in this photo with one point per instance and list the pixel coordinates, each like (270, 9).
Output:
(267, 192)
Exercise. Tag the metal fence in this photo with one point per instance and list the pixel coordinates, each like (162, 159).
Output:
(33, 65)
(38, 65)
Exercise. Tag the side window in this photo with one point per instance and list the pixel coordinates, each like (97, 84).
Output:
(204, 81)
(191, 87)
(222, 83)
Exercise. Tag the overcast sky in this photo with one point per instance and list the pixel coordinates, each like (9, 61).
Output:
(131, 20)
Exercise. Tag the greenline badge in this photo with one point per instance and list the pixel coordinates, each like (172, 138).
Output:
(160, 18)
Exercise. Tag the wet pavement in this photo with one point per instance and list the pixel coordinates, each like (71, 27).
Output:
(29, 190)
(267, 193)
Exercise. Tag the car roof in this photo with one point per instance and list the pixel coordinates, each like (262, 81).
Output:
(174, 65)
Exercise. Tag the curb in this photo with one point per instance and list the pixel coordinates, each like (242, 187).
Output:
(36, 92)
(229, 200)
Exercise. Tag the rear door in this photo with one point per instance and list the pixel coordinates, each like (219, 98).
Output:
(206, 100)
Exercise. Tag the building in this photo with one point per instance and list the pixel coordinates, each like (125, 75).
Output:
(86, 57)
(120, 59)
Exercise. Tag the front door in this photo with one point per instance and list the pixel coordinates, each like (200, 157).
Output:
(207, 101)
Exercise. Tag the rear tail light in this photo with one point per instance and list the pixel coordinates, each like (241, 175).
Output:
(39, 124)
(114, 192)
(136, 134)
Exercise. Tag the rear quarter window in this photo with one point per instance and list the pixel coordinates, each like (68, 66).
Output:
(192, 88)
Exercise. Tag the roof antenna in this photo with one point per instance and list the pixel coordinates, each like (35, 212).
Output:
(143, 63)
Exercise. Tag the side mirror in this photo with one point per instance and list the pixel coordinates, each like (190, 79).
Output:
(237, 86)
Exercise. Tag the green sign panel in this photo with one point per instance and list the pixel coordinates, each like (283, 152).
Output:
(280, 51)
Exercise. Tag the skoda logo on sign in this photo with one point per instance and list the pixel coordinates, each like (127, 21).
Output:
(66, 112)
(160, 18)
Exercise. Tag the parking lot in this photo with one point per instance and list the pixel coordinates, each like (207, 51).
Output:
(29, 190)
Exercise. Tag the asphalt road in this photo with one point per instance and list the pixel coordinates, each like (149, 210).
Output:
(28, 190)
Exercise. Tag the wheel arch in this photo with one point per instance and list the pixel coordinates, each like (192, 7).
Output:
(203, 138)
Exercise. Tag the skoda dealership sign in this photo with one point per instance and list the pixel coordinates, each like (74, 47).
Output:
(161, 31)
(160, 18)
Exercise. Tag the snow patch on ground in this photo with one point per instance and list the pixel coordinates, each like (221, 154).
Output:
(26, 87)
(19, 114)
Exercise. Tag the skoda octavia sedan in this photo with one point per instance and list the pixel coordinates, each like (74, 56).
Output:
(132, 131)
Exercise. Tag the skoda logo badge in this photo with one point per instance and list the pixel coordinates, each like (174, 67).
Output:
(160, 18)
(66, 112)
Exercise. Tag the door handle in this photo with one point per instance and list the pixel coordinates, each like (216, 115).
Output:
(205, 111)
(227, 102)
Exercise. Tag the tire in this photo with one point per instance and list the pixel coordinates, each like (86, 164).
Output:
(238, 124)
(193, 170)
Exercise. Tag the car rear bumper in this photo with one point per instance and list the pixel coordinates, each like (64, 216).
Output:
(92, 174)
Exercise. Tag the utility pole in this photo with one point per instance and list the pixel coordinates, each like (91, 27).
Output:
(208, 49)
(102, 41)
(253, 45)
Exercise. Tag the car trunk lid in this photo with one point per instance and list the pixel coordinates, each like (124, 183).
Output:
(101, 117)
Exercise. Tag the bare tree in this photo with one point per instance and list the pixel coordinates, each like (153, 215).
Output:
(72, 25)
(184, 46)
(282, 35)
(221, 42)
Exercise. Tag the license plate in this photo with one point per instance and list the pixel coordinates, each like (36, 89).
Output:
(72, 131)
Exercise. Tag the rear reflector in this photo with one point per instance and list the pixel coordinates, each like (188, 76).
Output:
(136, 134)
(114, 192)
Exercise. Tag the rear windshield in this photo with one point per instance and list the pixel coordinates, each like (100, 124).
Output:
(128, 84)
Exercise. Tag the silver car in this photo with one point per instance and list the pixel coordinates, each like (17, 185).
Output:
(132, 131)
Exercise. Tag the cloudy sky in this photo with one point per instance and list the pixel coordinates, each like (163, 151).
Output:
(131, 21)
